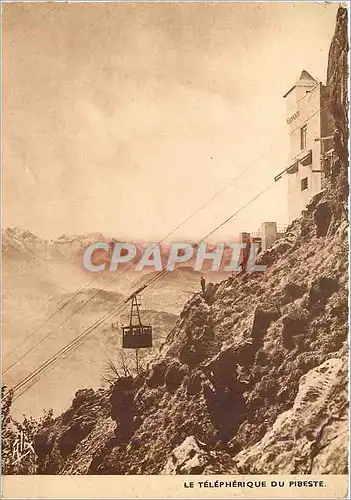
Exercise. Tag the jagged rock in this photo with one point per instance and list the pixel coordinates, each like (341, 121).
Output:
(189, 457)
(338, 306)
(122, 397)
(296, 438)
(197, 341)
(43, 442)
(322, 217)
(174, 376)
(293, 291)
(195, 302)
(262, 320)
(157, 375)
(222, 369)
(210, 292)
(332, 450)
(294, 323)
(74, 434)
(223, 393)
(226, 408)
(195, 384)
(246, 352)
(82, 396)
(322, 288)
(337, 81)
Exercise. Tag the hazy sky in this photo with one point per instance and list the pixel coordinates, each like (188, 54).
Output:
(124, 118)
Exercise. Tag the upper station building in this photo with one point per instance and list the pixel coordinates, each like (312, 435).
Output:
(310, 130)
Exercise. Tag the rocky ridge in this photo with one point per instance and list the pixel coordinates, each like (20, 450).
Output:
(18, 239)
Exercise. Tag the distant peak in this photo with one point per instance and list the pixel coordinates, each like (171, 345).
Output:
(19, 231)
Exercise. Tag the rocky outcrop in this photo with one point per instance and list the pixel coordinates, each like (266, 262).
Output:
(338, 103)
(337, 84)
(302, 438)
(187, 458)
(193, 457)
(59, 445)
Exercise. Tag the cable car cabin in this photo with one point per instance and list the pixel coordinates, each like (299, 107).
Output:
(136, 336)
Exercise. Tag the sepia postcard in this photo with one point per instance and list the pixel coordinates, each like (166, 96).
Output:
(175, 248)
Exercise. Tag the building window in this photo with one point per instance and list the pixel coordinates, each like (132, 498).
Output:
(304, 184)
(303, 136)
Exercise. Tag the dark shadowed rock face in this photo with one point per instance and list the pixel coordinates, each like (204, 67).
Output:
(157, 374)
(322, 217)
(253, 378)
(337, 83)
(123, 409)
(175, 375)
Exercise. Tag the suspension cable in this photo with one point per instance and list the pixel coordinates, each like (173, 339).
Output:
(193, 214)
(33, 377)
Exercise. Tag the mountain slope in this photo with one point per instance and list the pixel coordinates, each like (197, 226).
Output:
(44, 279)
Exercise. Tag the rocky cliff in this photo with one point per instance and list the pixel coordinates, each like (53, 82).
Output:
(253, 378)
